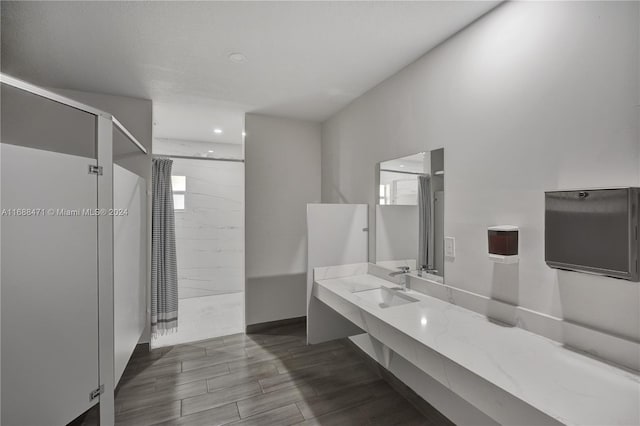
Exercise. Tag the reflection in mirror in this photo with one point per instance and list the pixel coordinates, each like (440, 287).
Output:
(410, 214)
(399, 179)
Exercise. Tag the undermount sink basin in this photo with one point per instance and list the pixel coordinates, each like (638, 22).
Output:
(384, 297)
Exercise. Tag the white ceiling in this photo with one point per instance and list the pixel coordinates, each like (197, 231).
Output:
(196, 121)
(305, 59)
(412, 163)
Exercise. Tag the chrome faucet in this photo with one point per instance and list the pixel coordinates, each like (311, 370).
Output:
(403, 270)
(427, 270)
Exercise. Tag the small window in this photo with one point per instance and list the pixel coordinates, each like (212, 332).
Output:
(179, 186)
(385, 196)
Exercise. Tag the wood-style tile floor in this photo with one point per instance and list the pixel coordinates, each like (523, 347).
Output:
(264, 379)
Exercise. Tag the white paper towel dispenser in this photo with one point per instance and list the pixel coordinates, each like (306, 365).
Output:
(593, 230)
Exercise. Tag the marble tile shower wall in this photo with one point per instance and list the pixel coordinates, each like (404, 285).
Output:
(210, 229)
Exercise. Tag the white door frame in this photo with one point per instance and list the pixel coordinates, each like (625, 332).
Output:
(106, 348)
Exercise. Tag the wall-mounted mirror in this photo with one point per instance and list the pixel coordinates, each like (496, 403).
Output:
(410, 213)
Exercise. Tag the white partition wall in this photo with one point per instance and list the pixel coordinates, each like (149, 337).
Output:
(57, 271)
(129, 263)
(55, 280)
(50, 288)
(337, 234)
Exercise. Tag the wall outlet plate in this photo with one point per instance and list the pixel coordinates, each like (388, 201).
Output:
(449, 247)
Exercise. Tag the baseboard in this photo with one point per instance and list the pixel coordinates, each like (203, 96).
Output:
(265, 326)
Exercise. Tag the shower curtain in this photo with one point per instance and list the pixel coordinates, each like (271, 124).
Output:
(425, 223)
(164, 275)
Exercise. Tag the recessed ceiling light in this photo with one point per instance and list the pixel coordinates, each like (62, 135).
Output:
(237, 57)
(244, 133)
(217, 131)
(401, 165)
(210, 151)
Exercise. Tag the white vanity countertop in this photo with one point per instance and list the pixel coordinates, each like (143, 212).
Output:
(570, 387)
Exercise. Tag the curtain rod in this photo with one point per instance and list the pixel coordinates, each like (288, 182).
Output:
(189, 157)
(404, 173)
(129, 135)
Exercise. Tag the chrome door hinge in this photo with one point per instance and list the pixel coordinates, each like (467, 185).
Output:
(95, 170)
(96, 393)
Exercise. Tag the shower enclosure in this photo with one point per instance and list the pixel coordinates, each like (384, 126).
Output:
(209, 226)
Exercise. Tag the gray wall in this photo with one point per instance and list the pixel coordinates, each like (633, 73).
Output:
(135, 114)
(534, 96)
(396, 233)
(36, 122)
(282, 176)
